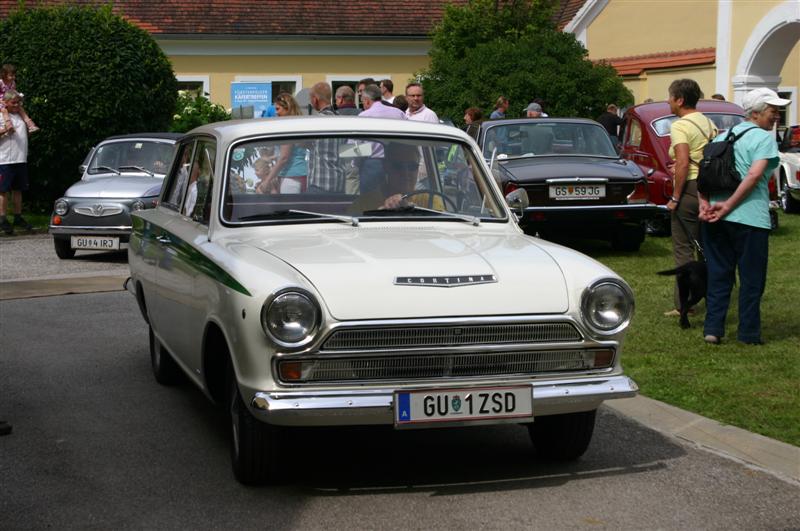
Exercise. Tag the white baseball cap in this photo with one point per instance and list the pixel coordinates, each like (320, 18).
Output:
(765, 95)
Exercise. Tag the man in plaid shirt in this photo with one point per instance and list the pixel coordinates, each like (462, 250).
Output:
(325, 171)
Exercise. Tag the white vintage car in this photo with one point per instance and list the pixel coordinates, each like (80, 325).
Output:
(787, 174)
(352, 271)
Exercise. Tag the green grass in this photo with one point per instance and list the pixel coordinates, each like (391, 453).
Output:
(753, 387)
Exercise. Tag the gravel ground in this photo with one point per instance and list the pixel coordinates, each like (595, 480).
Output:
(32, 257)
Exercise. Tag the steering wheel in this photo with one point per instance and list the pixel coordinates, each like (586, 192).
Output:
(446, 200)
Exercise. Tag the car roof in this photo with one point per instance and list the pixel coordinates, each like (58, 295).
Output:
(515, 121)
(173, 137)
(651, 111)
(233, 130)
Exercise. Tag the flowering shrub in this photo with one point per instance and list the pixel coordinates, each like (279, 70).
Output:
(194, 109)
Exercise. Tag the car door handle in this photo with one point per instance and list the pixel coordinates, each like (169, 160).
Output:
(163, 239)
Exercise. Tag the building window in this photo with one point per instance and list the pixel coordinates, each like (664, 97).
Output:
(788, 113)
(199, 84)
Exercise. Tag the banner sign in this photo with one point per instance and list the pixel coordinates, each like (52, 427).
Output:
(250, 100)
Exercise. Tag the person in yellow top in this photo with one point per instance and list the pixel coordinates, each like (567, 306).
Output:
(689, 135)
(402, 171)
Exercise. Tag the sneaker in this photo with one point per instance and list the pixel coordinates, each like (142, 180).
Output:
(19, 221)
(6, 227)
(712, 340)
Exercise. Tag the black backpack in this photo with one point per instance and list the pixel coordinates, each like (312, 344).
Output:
(717, 171)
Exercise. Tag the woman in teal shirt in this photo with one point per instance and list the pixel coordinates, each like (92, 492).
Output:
(736, 228)
(289, 173)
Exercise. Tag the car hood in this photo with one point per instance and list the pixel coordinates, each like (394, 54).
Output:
(539, 169)
(355, 270)
(117, 186)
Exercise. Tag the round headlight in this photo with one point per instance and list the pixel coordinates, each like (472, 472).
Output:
(137, 205)
(607, 306)
(291, 318)
(61, 207)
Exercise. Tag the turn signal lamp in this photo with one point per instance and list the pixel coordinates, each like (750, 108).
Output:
(600, 358)
(510, 187)
(56, 220)
(639, 194)
(291, 371)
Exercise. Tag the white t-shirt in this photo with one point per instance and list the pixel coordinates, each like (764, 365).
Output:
(14, 146)
(424, 114)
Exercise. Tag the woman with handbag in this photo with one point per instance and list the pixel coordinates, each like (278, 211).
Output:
(737, 224)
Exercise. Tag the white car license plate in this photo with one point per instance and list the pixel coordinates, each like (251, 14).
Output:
(577, 191)
(459, 405)
(100, 243)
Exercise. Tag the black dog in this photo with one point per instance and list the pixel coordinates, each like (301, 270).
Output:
(692, 280)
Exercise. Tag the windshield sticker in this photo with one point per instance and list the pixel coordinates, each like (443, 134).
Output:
(138, 145)
(238, 154)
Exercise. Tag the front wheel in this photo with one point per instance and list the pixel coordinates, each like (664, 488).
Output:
(628, 238)
(789, 204)
(254, 444)
(63, 249)
(563, 437)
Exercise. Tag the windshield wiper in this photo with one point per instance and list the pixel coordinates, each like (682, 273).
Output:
(415, 208)
(283, 213)
(137, 168)
(107, 168)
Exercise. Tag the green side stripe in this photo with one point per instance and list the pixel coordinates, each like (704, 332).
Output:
(187, 254)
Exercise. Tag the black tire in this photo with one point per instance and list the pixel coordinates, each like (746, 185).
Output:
(63, 249)
(659, 226)
(789, 204)
(562, 437)
(254, 444)
(628, 238)
(773, 219)
(165, 370)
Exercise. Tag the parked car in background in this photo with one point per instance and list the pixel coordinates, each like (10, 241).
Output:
(646, 142)
(419, 303)
(576, 183)
(787, 174)
(120, 175)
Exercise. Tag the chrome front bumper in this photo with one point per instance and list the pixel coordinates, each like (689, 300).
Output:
(376, 406)
(118, 230)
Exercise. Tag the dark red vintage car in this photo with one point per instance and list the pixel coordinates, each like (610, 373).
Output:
(646, 142)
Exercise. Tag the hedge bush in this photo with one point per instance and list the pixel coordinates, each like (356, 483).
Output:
(193, 109)
(86, 74)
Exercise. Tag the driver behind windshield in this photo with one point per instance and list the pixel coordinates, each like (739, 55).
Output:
(398, 190)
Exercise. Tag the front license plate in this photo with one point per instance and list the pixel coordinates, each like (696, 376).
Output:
(462, 405)
(100, 243)
(577, 191)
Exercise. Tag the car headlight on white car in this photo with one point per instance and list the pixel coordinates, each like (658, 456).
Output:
(61, 207)
(607, 306)
(291, 317)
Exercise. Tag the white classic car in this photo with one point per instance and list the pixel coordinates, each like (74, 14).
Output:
(352, 271)
(787, 174)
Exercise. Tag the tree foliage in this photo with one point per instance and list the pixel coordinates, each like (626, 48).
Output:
(193, 110)
(489, 48)
(86, 74)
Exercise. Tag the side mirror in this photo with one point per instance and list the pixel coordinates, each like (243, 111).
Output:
(82, 169)
(518, 201)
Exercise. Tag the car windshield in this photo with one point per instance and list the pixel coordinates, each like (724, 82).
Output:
(543, 138)
(722, 121)
(356, 178)
(147, 157)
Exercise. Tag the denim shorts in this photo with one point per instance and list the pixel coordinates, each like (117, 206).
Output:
(14, 177)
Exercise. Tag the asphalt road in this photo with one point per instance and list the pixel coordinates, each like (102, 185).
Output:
(98, 444)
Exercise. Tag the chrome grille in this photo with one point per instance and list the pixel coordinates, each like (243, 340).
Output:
(450, 335)
(409, 367)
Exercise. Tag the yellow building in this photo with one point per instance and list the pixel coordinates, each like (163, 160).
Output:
(728, 46)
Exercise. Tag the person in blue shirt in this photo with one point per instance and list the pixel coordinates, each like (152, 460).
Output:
(737, 224)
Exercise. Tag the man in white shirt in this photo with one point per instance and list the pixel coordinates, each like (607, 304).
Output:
(387, 88)
(13, 163)
(417, 111)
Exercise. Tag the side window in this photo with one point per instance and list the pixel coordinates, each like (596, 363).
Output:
(175, 187)
(201, 179)
(634, 138)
